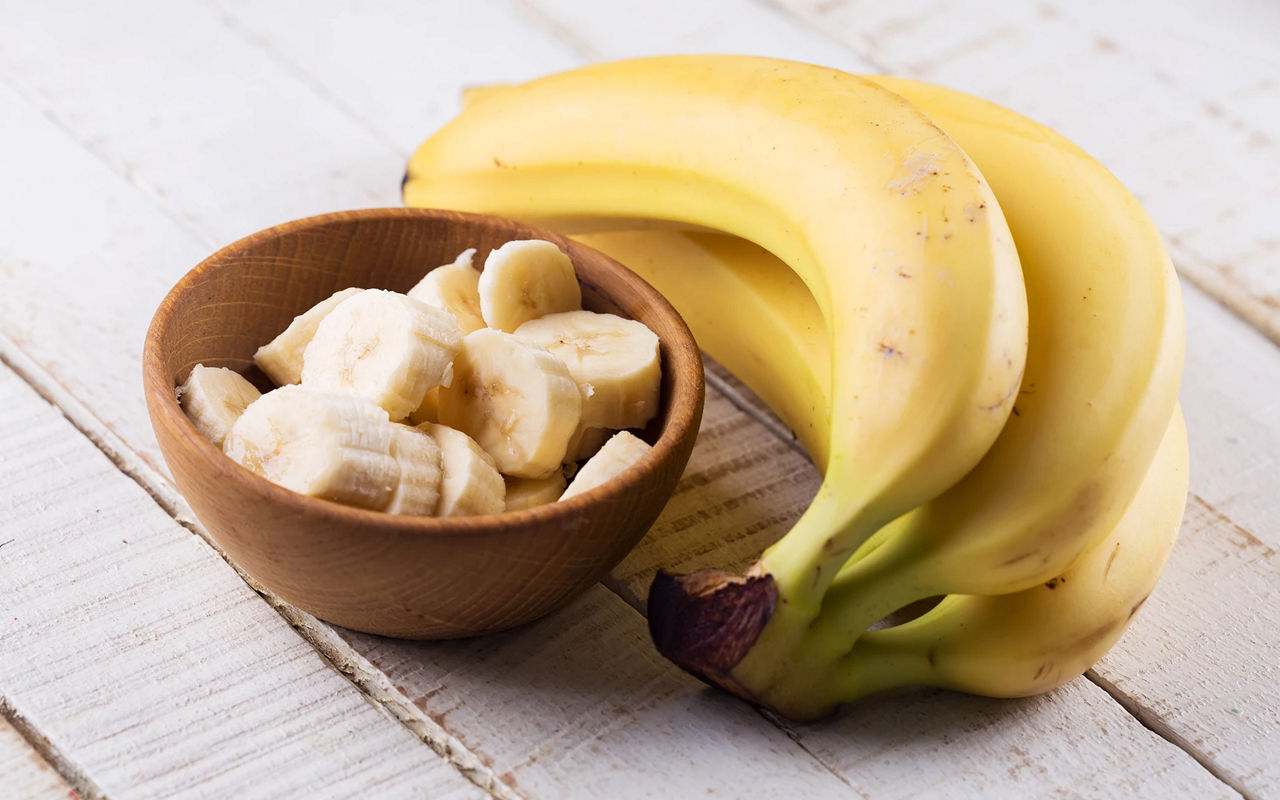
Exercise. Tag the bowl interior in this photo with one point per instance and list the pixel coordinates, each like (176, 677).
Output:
(405, 576)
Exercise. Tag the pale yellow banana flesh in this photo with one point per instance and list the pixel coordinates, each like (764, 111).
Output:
(281, 358)
(525, 493)
(417, 493)
(614, 361)
(516, 400)
(622, 451)
(214, 398)
(384, 346)
(335, 446)
(455, 288)
(524, 280)
(470, 483)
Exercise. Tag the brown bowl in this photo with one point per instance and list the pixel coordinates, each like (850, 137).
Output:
(414, 577)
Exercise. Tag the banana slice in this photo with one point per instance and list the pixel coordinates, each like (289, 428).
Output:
(331, 445)
(418, 454)
(214, 398)
(523, 280)
(281, 358)
(529, 492)
(454, 288)
(614, 361)
(469, 483)
(515, 399)
(384, 346)
(620, 452)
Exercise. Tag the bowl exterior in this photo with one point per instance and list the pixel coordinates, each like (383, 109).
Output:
(399, 576)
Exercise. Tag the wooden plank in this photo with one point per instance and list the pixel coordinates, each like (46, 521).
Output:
(1180, 100)
(115, 652)
(56, 352)
(24, 772)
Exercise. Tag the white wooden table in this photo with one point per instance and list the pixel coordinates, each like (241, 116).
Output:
(136, 137)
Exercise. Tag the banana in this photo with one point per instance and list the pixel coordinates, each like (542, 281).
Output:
(454, 288)
(892, 228)
(417, 492)
(281, 358)
(524, 280)
(384, 346)
(614, 361)
(1032, 641)
(335, 446)
(616, 456)
(517, 401)
(1102, 374)
(525, 493)
(469, 484)
(214, 398)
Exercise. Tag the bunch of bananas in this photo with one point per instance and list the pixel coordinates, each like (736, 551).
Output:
(972, 328)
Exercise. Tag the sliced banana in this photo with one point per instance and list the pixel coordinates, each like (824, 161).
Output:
(525, 279)
(620, 452)
(454, 288)
(469, 483)
(324, 444)
(418, 454)
(281, 358)
(515, 399)
(383, 345)
(614, 361)
(529, 492)
(214, 398)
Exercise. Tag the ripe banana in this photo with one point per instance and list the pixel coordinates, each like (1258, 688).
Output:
(615, 457)
(1028, 642)
(469, 483)
(613, 360)
(890, 225)
(336, 446)
(1102, 373)
(281, 358)
(524, 280)
(214, 398)
(517, 401)
(384, 346)
(455, 288)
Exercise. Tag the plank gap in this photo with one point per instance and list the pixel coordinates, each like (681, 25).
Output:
(336, 653)
(84, 787)
(1152, 722)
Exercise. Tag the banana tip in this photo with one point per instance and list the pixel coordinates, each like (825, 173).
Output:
(707, 621)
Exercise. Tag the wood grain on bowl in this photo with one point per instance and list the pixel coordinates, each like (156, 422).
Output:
(415, 577)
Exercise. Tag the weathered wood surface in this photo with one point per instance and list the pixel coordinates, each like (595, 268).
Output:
(263, 112)
(145, 662)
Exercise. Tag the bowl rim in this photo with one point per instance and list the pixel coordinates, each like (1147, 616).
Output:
(683, 415)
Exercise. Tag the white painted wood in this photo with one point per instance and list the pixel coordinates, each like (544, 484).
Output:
(1181, 100)
(24, 772)
(147, 663)
(153, 205)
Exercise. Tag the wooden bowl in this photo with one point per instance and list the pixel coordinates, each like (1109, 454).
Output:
(414, 577)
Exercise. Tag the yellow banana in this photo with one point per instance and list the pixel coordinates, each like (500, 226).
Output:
(1101, 382)
(1102, 375)
(1028, 642)
(891, 227)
